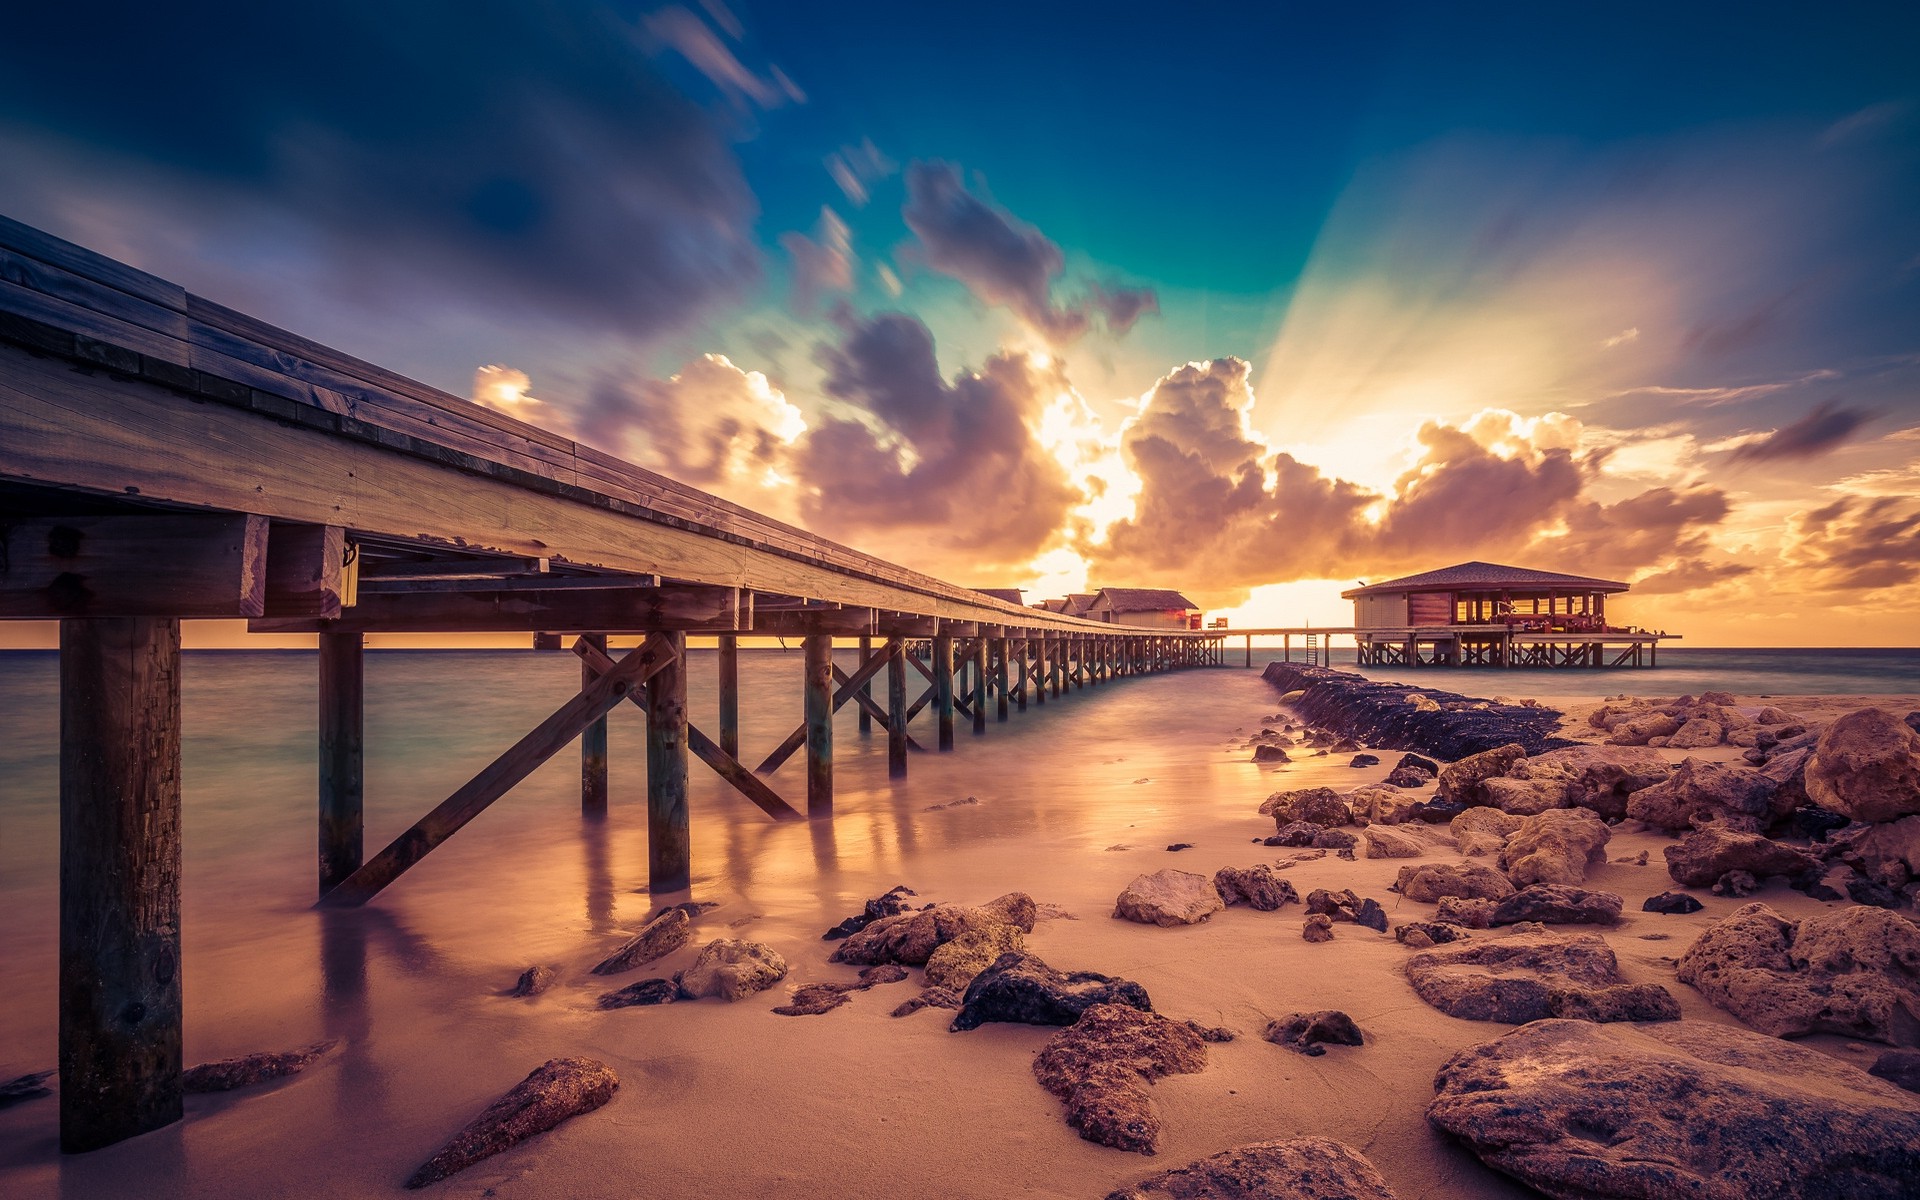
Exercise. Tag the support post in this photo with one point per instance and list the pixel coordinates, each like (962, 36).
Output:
(342, 756)
(593, 746)
(1039, 646)
(729, 689)
(866, 689)
(979, 648)
(1002, 647)
(120, 1008)
(943, 687)
(819, 713)
(669, 844)
(896, 706)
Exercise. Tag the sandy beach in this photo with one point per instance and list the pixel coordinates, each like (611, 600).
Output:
(730, 1099)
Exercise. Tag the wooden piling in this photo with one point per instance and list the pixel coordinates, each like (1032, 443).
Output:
(1001, 648)
(943, 688)
(1020, 674)
(819, 714)
(120, 1009)
(896, 706)
(342, 756)
(729, 689)
(866, 689)
(979, 686)
(669, 840)
(593, 746)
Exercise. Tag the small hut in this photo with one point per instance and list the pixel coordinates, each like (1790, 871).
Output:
(1152, 608)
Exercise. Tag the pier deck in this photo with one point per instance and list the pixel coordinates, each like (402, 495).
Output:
(165, 458)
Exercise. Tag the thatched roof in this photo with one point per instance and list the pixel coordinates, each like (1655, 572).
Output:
(1480, 576)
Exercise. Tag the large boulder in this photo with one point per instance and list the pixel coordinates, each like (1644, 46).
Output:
(1598, 777)
(910, 938)
(1702, 858)
(1102, 1066)
(1866, 766)
(1529, 976)
(955, 964)
(1384, 842)
(1460, 782)
(1703, 792)
(1523, 797)
(1316, 806)
(1168, 898)
(1688, 1108)
(1854, 972)
(1308, 1168)
(1258, 887)
(1889, 849)
(1558, 904)
(1555, 847)
(1697, 733)
(732, 969)
(1482, 830)
(1639, 730)
(1375, 804)
(1020, 988)
(1428, 882)
(556, 1090)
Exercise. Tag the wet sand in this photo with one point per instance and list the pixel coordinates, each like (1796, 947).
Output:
(732, 1100)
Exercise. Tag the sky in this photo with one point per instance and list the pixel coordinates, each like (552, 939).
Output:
(1255, 301)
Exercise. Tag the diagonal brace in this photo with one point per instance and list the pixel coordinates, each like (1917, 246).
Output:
(876, 662)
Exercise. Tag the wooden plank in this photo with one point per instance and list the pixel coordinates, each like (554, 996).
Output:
(593, 739)
(979, 686)
(32, 243)
(120, 997)
(669, 827)
(499, 776)
(169, 565)
(704, 748)
(866, 689)
(817, 689)
(728, 686)
(342, 757)
(563, 610)
(304, 568)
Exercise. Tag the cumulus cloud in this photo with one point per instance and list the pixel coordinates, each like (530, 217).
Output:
(518, 156)
(1006, 261)
(946, 474)
(1217, 504)
(822, 263)
(1815, 434)
(509, 391)
(712, 425)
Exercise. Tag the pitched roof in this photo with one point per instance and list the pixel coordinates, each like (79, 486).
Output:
(1079, 602)
(1123, 600)
(1482, 575)
(1010, 595)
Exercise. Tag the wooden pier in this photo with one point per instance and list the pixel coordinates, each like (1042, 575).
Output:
(164, 458)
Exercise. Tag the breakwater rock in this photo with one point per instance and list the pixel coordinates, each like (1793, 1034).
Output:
(1443, 724)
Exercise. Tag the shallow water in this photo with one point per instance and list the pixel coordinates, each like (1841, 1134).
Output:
(410, 984)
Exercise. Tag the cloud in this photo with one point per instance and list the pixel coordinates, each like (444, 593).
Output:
(712, 425)
(946, 475)
(509, 391)
(857, 168)
(690, 37)
(522, 157)
(1856, 543)
(822, 263)
(1005, 261)
(1815, 434)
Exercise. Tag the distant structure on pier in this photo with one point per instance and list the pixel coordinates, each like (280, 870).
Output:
(1010, 595)
(1486, 614)
(1148, 608)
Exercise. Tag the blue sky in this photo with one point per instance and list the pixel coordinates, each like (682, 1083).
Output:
(1249, 299)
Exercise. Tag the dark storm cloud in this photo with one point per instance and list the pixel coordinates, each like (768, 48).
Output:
(1819, 431)
(1005, 261)
(951, 468)
(1216, 504)
(528, 154)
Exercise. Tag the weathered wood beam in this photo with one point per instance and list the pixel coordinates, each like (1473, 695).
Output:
(943, 690)
(342, 756)
(817, 702)
(543, 742)
(120, 996)
(866, 689)
(979, 686)
(545, 610)
(704, 748)
(1001, 648)
(593, 742)
(304, 568)
(669, 828)
(864, 701)
(160, 565)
